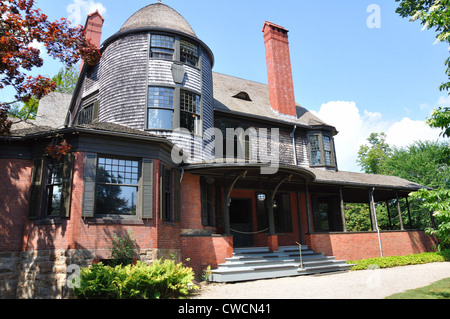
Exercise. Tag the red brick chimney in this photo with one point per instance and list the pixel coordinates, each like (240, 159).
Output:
(281, 85)
(93, 29)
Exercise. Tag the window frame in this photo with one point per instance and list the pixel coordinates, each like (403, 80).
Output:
(172, 109)
(323, 152)
(197, 115)
(137, 186)
(50, 184)
(178, 55)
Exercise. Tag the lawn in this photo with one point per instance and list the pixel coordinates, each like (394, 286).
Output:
(437, 290)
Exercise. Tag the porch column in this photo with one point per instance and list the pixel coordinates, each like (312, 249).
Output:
(344, 223)
(409, 213)
(371, 209)
(227, 203)
(399, 213)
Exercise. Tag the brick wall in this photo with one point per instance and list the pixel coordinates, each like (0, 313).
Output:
(15, 177)
(204, 251)
(355, 246)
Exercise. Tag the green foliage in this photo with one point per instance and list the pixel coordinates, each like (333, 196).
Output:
(161, 280)
(124, 249)
(396, 261)
(372, 157)
(440, 118)
(438, 202)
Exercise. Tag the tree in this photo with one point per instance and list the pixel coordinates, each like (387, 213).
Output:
(372, 157)
(66, 80)
(21, 25)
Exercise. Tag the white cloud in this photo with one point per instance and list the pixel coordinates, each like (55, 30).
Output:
(355, 127)
(79, 9)
(443, 101)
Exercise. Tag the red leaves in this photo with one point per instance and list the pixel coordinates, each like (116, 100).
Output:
(58, 151)
(21, 25)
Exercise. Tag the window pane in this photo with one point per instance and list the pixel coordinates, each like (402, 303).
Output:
(117, 171)
(162, 41)
(160, 119)
(315, 150)
(188, 120)
(189, 53)
(115, 200)
(54, 200)
(190, 102)
(327, 143)
(160, 97)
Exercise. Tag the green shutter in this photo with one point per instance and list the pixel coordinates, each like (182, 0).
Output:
(67, 186)
(147, 189)
(177, 186)
(36, 188)
(90, 171)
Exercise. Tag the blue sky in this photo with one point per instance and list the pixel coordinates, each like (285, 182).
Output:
(357, 78)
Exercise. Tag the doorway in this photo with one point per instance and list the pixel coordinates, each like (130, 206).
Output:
(241, 222)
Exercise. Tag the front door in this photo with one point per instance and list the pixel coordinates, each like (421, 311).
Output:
(241, 222)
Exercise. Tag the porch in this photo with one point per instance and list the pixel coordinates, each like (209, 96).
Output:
(263, 218)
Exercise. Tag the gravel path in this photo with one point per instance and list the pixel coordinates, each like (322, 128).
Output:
(363, 284)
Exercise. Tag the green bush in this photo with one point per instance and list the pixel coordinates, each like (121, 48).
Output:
(395, 261)
(161, 280)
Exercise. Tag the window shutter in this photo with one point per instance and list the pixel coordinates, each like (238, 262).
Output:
(90, 171)
(147, 189)
(36, 189)
(177, 186)
(162, 204)
(67, 186)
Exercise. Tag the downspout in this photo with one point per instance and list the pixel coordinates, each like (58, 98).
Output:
(376, 221)
(294, 146)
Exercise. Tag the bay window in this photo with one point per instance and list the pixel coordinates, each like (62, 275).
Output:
(321, 150)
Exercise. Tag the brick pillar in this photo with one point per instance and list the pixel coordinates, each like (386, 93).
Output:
(272, 242)
(279, 71)
(93, 29)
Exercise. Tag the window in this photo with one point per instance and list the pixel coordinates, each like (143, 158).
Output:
(188, 53)
(162, 47)
(86, 115)
(54, 188)
(327, 150)
(282, 213)
(160, 108)
(315, 150)
(321, 150)
(51, 188)
(116, 186)
(189, 111)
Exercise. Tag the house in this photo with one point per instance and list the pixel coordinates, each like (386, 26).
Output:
(196, 164)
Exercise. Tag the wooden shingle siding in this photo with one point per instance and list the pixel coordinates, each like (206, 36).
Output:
(207, 93)
(123, 78)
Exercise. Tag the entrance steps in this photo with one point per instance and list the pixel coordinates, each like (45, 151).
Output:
(259, 263)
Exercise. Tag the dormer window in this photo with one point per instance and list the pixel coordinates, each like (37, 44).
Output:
(243, 96)
(321, 150)
(162, 47)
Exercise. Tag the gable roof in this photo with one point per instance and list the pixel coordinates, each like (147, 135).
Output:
(226, 88)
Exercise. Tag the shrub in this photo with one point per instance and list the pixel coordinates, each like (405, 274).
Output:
(124, 249)
(161, 280)
(395, 261)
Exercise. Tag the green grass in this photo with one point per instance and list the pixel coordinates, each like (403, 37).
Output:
(437, 290)
(396, 261)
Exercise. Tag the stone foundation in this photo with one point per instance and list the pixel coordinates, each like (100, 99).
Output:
(43, 274)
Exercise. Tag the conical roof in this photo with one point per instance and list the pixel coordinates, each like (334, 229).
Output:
(158, 15)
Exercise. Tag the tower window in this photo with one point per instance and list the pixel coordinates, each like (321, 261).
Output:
(189, 110)
(189, 53)
(160, 108)
(162, 47)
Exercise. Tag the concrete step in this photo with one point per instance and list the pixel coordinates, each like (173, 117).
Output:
(258, 263)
